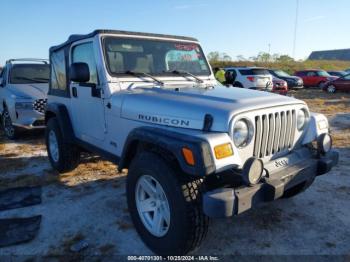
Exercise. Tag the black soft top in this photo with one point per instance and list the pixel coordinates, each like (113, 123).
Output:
(74, 38)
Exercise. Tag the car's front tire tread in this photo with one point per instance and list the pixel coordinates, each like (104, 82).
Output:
(189, 225)
(69, 154)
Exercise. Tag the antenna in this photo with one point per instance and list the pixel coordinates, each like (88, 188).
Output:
(295, 27)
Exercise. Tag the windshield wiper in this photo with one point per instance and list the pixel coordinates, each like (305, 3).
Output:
(138, 74)
(183, 73)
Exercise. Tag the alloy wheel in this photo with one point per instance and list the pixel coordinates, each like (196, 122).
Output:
(331, 89)
(53, 146)
(152, 205)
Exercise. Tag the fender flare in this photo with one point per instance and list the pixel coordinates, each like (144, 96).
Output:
(173, 142)
(61, 113)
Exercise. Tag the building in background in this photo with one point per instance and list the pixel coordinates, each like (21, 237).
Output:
(339, 54)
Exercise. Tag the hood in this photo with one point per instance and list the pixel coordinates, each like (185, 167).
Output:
(332, 78)
(30, 91)
(290, 78)
(187, 107)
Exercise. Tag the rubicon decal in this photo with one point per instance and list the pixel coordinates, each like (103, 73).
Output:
(164, 120)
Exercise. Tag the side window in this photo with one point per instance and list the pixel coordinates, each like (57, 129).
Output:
(58, 78)
(311, 74)
(85, 53)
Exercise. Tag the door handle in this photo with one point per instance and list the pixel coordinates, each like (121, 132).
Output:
(109, 105)
(74, 91)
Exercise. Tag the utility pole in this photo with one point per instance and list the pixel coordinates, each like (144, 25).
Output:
(295, 27)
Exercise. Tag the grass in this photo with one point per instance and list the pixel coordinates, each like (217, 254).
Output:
(331, 105)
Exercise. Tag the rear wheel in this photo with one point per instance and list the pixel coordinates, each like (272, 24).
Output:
(331, 89)
(166, 209)
(10, 130)
(63, 156)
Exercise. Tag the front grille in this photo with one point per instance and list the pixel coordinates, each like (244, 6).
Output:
(274, 132)
(40, 105)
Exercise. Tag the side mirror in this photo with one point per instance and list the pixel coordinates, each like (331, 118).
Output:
(79, 72)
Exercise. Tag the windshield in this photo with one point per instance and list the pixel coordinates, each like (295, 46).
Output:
(323, 73)
(29, 73)
(255, 71)
(281, 73)
(155, 57)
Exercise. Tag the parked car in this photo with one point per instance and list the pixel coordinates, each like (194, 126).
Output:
(339, 84)
(194, 150)
(337, 73)
(294, 82)
(23, 95)
(279, 86)
(314, 77)
(251, 77)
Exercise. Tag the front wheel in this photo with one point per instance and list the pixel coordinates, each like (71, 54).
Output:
(64, 157)
(10, 130)
(331, 89)
(166, 210)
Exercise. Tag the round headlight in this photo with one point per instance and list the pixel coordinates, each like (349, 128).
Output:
(242, 133)
(301, 119)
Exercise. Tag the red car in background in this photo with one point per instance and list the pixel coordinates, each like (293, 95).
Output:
(339, 84)
(315, 77)
(279, 86)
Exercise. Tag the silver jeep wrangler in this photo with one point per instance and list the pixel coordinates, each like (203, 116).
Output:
(23, 95)
(194, 149)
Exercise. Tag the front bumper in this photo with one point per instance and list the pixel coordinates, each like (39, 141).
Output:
(28, 119)
(225, 202)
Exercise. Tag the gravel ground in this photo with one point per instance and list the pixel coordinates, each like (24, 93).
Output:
(90, 204)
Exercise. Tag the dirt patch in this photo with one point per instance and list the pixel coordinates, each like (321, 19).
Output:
(107, 249)
(335, 106)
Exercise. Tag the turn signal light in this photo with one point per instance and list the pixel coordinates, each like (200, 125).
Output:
(222, 151)
(188, 155)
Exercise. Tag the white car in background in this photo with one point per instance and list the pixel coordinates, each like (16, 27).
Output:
(23, 95)
(251, 77)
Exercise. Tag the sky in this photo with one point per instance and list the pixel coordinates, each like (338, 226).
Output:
(30, 27)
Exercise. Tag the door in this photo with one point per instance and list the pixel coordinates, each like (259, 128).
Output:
(311, 79)
(343, 84)
(87, 106)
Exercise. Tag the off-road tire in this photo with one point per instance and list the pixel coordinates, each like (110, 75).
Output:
(14, 133)
(188, 224)
(298, 189)
(69, 154)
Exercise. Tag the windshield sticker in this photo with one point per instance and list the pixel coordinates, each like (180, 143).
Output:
(186, 47)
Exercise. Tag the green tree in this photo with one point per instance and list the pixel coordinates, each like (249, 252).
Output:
(214, 56)
(284, 59)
